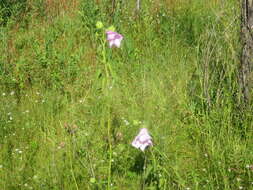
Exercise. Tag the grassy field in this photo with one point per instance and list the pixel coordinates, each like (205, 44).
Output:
(70, 106)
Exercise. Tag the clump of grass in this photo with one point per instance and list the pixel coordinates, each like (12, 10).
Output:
(175, 74)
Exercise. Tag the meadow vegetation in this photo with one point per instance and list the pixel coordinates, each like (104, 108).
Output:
(65, 123)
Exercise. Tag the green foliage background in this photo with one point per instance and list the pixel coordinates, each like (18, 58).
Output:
(176, 73)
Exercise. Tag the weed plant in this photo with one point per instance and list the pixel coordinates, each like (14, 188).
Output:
(65, 124)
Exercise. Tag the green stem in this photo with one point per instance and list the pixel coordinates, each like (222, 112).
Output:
(108, 72)
(104, 59)
(110, 153)
(72, 172)
(144, 172)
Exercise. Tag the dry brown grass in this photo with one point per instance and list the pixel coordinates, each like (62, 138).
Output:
(57, 7)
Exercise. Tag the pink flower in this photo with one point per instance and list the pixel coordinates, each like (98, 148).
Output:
(114, 38)
(142, 140)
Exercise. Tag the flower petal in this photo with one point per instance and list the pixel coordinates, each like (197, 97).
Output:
(114, 38)
(117, 42)
(142, 140)
(111, 36)
(111, 43)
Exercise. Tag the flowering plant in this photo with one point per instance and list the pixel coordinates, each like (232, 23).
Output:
(142, 140)
(114, 38)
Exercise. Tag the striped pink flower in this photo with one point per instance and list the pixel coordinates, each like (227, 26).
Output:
(142, 140)
(114, 39)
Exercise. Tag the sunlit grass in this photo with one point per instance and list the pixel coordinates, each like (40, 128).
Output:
(174, 74)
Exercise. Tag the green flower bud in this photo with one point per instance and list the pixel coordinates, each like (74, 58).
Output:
(99, 25)
(111, 28)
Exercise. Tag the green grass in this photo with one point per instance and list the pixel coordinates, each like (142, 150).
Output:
(65, 125)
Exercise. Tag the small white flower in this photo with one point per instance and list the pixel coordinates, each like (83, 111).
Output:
(1, 166)
(35, 177)
(238, 179)
(142, 140)
(25, 184)
(3, 94)
(86, 134)
(249, 166)
(126, 122)
(240, 187)
(12, 93)
(20, 152)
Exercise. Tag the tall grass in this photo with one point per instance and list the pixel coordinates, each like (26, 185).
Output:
(176, 74)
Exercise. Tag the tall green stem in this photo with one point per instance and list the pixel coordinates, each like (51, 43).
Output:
(144, 172)
(110, 152)
(108, 72)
